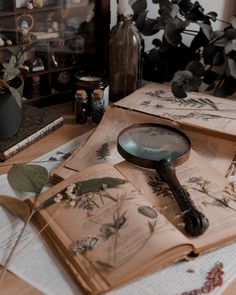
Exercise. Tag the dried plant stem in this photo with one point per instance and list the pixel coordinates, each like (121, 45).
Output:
(3, 272)
(39, 232)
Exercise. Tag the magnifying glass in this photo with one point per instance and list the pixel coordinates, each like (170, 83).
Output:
(162, 147)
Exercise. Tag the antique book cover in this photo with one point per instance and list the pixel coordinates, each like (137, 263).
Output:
(111, 224)
(36, 123)
(101, 146)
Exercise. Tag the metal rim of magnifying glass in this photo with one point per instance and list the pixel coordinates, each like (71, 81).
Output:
(152, 163)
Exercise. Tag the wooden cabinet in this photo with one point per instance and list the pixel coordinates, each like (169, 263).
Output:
(69, 36)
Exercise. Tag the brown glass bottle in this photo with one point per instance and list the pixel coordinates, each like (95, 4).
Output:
(125, 58)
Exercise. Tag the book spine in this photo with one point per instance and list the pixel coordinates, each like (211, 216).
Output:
(31, 139)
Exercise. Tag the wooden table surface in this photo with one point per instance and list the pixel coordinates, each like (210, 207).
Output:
(12, 284)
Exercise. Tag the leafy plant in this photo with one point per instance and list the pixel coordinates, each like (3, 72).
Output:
(13, 67)
(210, 58)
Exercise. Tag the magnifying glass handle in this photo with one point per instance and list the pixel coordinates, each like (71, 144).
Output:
(195, 221)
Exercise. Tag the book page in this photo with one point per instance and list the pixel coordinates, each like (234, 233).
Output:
(196, 109)
(101, 147)
(109, 230)
(218, 151)
(208, 189)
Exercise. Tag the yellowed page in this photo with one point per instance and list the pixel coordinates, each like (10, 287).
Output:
(101, 146)
(197, 109)
(218, 151)
(207, 189)
(128, 232)
(105, 137)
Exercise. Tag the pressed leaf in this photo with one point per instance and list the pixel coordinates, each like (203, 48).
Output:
(27, 178)
(16, 207)
(94, 184)
(103, 152)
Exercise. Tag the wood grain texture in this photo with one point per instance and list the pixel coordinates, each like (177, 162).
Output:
(12, 284)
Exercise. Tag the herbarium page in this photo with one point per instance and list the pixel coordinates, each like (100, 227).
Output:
(197, 109)
(101, 146)
(109, 228)
(208, 189)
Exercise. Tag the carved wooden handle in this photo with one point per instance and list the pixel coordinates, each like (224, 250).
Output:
(195, 221)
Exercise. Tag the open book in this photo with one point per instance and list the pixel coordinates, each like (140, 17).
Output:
(111, 224)
(216, 147)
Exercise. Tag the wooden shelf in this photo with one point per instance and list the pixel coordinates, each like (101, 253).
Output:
(37, 10)
(62, 14)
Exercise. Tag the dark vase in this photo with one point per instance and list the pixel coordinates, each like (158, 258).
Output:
(10, 112)
(125, 58)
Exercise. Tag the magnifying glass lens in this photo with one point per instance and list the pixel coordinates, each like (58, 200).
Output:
(154, 143)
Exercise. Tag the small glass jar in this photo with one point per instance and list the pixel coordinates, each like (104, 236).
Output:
(98, 107)
(91, 81)
(81, 107)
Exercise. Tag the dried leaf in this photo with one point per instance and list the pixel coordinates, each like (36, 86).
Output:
(98, 183)
(16, 207)
(27, 178)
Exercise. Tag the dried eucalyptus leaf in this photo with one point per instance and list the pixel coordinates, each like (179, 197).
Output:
(98, 183)
(27, 178)
(16, 207)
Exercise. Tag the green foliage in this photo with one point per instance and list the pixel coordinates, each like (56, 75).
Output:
(94, 184)
(87, 186)
(208, 47)
(27, 178)
(14, 67)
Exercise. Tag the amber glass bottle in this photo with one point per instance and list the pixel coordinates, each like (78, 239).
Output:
(125, 58)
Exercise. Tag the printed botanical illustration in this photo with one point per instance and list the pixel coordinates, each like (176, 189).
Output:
(103, 152)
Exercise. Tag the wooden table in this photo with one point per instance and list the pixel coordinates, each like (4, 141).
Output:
(12, 284)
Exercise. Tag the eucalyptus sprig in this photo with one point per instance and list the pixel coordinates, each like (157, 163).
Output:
(210, 50)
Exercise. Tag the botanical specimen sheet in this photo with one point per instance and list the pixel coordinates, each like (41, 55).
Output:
(101, 147)
(196, 109)
(123, 231)
(37, 265)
